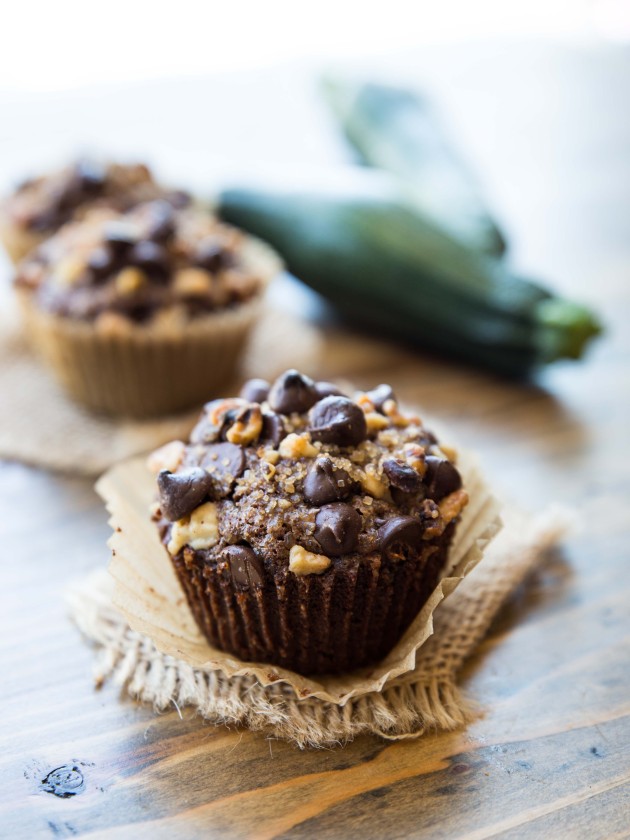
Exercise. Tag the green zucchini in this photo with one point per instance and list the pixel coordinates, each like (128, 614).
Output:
(381, 263)
(396, 130)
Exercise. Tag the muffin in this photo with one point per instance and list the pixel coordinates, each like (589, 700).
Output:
(306, 528)
(145, 312)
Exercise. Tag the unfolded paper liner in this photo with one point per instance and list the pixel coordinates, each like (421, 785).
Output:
(148, 370)
(426, 699)
(148, 594)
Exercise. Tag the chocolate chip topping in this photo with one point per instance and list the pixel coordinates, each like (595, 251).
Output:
(338, 420)
(101, 262)
(246, 568)
(441, 477)
(255, 390)
(292, 391)
(225, 462)
(400, 530)
(272, 428)
(401, 475)
(325, 484)
(337, 528)
(180, 493)
(328, 389)
(378, 396)
(150, 257)
(161, 225)
(211, 256)
(217, 415)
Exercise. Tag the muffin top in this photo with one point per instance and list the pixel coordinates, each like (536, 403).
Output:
(44, 204)
(153, 259)
(298, 474)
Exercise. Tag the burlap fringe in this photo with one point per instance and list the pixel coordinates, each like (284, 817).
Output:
(426, 699)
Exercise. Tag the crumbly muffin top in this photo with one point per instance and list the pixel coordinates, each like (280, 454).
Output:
(44, 204)
(299, 474)
(151, 259)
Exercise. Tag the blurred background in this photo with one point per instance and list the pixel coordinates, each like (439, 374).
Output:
(532, 96)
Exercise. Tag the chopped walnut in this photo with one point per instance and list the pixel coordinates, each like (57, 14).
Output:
(130, 280)
(247, 426)
(192, 282)
(374, 485)
(199, 530)
(390, 408)
(414, 456)
(167, 457)
(303, 562)
(69, 271)
(452, 505)
(375, 421)
(297, 446)
(449, 452)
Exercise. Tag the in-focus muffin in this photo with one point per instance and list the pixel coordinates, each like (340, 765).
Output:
(146, 312)
(306, 528)
(40, 206)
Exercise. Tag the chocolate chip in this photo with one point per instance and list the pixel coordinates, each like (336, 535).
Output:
(337, 528)
(210, 255)
(403, 530)
(180, 493)
(401, 475)
(161, 225)
(328, 389)
(272, 429)
(150, 257)
(378, 396)
(120, 236)
(255, 390)
(441, 477)
(324, 483)
(91, 175)
(338, 420)
(292, 392)
(225, 462)
(213, 421)
(246, 568)
(101, 262)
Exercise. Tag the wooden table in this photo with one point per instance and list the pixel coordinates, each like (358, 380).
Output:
(550, 756)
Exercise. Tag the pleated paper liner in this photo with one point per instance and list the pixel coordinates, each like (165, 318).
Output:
(149, 596)
(147, 370)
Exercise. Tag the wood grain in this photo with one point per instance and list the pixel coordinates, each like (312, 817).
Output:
(550, 754)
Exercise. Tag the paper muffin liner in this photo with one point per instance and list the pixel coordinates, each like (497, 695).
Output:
(315, 624)
(148, 594)
(145, 370)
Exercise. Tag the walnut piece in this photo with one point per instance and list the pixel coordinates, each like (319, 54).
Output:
(453, 504)
(130, 280)
(199, 530)
(303, 562)
(373, 485)
(297, 446)
(167, 457)
(375, 421)
(247, 426)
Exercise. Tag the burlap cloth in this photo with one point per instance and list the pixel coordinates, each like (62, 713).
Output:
(427, 698)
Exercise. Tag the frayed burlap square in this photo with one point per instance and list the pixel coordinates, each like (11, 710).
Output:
(426, 698)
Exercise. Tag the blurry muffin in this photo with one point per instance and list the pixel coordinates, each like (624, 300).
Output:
(40, 206)
(307, 529)
(146, 312)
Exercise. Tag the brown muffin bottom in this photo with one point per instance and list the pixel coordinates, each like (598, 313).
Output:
(347, 618)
